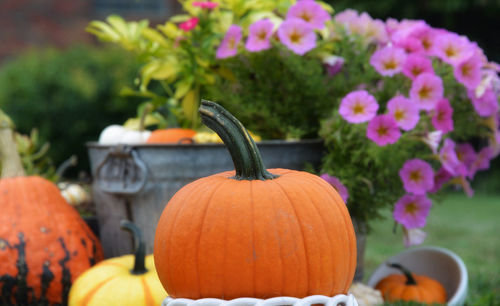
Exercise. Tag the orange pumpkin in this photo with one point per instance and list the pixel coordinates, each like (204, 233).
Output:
(174, 135)
(253, 232)
(411, 287)
(44, 244)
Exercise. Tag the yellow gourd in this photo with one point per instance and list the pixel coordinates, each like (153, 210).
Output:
(124, 280)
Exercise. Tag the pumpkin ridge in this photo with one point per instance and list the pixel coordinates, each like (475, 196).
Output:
(252, 207)
(352, 260)
(301, 232)
(277, 234)
(181, 209)
(88, 297)
(338, 211)
(321, 217)
(202, 224)
(170, 210)
(148, 298)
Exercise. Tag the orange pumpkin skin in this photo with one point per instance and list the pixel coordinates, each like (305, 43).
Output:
(44, 244)
(174, 135)
(426, 290)
(225, 238)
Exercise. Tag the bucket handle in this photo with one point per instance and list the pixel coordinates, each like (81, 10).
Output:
(123, 153)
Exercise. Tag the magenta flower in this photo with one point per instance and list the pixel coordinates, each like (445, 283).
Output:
(466, 154)
(205, 4)
(417, 176)
(388, 61)
(449, 159)
(358, 106)
(413, 236)
(229, 45)
(383, 130)
(333, 64)
(482, 161)
(188, 25)
(404, 112)
(335, 182)
(468, 72)
(443, 116)
(426, 91)
(452, 48)
(412, 210)
(297, 35)
(433, 139)
(310, 12)
(440, 178)
(417, 64)
(411, 45)
(259, 34)
(485, 105)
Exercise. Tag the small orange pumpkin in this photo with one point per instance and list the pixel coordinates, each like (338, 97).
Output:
(253, 232)
(411, 287)
(174, 135)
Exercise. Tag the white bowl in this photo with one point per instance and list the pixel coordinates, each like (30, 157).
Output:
(441, 264)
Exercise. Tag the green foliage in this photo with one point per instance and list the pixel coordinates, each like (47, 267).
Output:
(69, 96)
(275, 93)
(34, 156)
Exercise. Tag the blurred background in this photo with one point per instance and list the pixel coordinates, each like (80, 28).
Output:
(56, 77)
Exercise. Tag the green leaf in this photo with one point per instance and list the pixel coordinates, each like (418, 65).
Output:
(190, 104)
(183, 87)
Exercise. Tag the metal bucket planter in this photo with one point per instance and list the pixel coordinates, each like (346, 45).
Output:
(136, 182)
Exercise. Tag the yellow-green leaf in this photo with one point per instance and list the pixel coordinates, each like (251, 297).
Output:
(170, 30)
(134, 123)
(156, 37)
(190, 105)
(183, 87)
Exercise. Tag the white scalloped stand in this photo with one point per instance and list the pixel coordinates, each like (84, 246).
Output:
(344, 300)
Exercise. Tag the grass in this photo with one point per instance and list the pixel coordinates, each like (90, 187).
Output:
(470, 227)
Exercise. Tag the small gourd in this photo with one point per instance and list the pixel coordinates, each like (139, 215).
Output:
(411, 287)
(125, 280)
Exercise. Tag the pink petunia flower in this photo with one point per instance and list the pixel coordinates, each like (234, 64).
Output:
(404, 112)
(337, 184)
(449, 159)
(433, 139)
(465, 184)
(383, 130)
(346, 17)
(440, 178)
(333, 64)
(259, 34)
(417, 176)
(443, 116)
(412, 210)
(452, 48)
(411, 45)
(415, 65)
(413, 236)
(482, 161)
(487, 104)
(297, 35)
(388, 61)
(466, 154)
(229, 45)
(310, 12)
(468, 72)
(358, 106)
(426, 91)
(188, 25)
(205, 4)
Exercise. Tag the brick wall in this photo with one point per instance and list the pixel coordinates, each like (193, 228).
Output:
(60, 23)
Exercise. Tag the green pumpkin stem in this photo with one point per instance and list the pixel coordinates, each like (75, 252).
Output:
(244, 152)
(10, 161)
(410, 280)
(140, 248)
